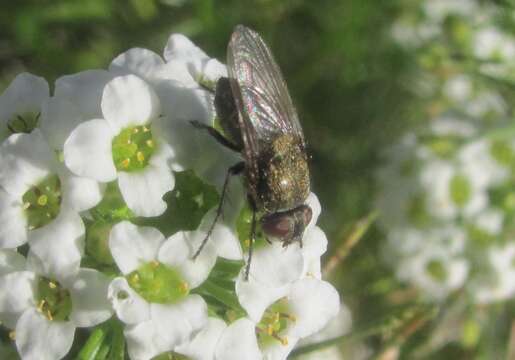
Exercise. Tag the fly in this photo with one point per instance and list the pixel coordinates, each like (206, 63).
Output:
(259, 121)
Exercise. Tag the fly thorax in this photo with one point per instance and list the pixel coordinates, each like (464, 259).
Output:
(285, 177)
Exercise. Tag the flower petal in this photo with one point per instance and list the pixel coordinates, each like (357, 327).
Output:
(203, 345)
(38, 338)
(316, 209)
(313, 302)
(179, 47)
(84, 89)
(11, 260)
(142, 62)
(59, 116)
(88, 291)
(88, 151)
(278, 351)
(314, 245)
(175, 250)
(80, 193)
(129, 101)
(133, 246)
(223, 235)
(276, 266)
(24, 95)
(13, 222)
(129, 306)
(17, 291)
(56, 249)
(143, 190)
(144, 341)
(177, 322)
(255, 297)
(195, 272)
(25, 159)
(238, 341)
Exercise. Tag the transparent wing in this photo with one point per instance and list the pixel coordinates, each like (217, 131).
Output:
(264, 104)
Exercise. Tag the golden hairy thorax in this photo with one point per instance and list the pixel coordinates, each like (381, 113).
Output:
(284, 175)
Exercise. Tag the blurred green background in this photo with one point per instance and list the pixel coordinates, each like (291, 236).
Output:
(344, 74)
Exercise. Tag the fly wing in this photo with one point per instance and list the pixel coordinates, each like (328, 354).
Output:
(264, 104)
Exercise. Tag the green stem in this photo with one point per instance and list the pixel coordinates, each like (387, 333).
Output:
(93, 344)
(224, 296)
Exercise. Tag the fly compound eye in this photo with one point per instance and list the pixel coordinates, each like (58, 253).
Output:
(278, 225)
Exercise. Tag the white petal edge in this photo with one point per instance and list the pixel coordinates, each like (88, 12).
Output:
(313, 302)
(139, 61)
(13, 222)
(58, 246)
(128, 305)
(133, 246)
(59, 117)
(255, 297)
(88, 291)
(17, 291)
(179, 47)
(129, 101)
(88, 151)
(194, 272)
(84, 89)
(178, 322)
(25, 159)
(143, 341)
(276, 266)
(80, 193)
(25, 94)
(238, 341)
(40, 339)
(203, 345)
(143, 190)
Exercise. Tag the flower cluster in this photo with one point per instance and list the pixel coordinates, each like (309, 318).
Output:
(106, 192)
(447, 188)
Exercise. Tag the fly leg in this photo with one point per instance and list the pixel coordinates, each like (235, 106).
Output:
(252, 239)
(233, 170)
(217, 135)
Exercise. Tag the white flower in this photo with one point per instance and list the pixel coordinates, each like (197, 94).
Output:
(51, 296)
(282, 318)
(20, 104)
(152, 298)
(489, 42)
(499, 285)
(126, 146)
(451, 190)
(37, 193)
(434, 270)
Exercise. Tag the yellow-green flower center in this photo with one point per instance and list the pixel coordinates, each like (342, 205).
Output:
(42, 202)
(158, 283)
(436, 270)
(275, 320)
(460, 190)
(132, 148)
(23, 123)
(53, 301)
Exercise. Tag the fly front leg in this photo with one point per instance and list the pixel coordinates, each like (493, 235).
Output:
(217, 135)
(233, 170)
